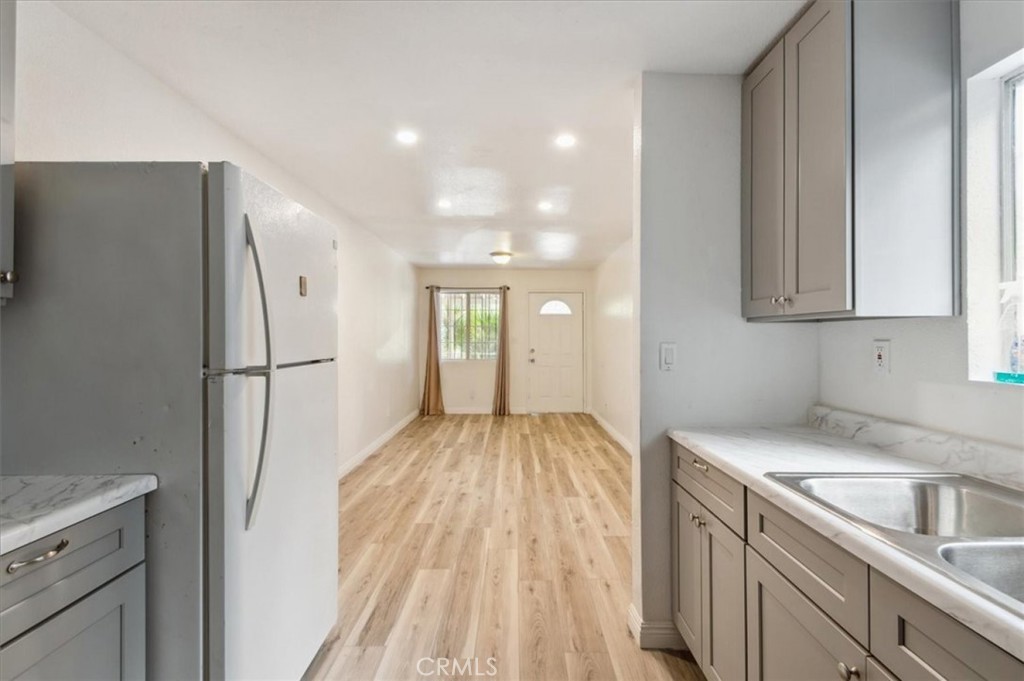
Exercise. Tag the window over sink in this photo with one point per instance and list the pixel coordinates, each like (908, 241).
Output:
(994, 214)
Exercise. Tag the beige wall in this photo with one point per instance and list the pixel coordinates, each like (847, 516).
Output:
(613, 367)
(78, 99)
(468, 386)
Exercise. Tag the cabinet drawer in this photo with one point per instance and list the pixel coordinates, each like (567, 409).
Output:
(715, 490)
(787, 636)
(102, 636)
(916, 640)
(97, 550)
(835, 580)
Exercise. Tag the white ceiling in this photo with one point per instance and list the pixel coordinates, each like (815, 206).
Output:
(321, 87)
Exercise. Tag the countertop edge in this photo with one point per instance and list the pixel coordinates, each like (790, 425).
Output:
(975, 612)
(103, 493)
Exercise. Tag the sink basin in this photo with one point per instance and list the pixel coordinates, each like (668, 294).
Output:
(995, 564)
(970, 530)
(943, 506)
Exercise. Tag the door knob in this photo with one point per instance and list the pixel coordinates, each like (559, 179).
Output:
(846, 673)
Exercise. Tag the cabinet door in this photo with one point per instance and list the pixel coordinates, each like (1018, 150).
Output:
(916, 640)
(763, 174)
(876, 672)
(100, 638)
(788, 637)
(818, 183)
(686, 570)
(723, 606)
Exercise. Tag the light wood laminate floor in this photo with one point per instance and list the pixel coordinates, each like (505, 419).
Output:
(476, 537)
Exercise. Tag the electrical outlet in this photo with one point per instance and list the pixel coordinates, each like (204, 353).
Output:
(881, 356)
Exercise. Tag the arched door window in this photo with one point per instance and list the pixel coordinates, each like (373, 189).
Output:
(559, 307)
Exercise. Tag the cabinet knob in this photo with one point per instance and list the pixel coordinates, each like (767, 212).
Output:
(846, 673)
(8, 277)
(775, 300)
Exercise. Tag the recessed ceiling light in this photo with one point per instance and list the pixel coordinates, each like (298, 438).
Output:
(544, 206)
(566, 140)
(407, 137)
(501, 257)
(444, 204)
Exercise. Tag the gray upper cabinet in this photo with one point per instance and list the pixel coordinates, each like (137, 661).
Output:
(763, 121)
(817, 185)
(859, 176)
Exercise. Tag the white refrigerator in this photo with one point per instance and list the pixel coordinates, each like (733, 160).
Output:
(181, 319)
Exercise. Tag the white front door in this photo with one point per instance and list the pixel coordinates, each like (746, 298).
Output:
(556, 352)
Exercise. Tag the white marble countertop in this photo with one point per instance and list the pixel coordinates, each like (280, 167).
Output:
(33, 506)
(746, 454)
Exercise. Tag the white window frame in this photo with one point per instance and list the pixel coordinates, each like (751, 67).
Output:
(467, 339)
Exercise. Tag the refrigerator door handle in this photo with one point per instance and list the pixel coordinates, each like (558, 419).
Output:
(267, 372)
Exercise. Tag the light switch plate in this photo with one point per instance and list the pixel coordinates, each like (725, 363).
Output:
(666, 356)
(881, 356)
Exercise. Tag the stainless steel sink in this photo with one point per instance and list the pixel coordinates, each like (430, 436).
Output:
(968, 529)
(1000, 565)
(940, 505)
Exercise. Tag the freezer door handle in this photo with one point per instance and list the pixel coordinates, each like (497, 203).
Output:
(268, 373)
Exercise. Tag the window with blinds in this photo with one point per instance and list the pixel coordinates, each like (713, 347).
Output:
(468, 324)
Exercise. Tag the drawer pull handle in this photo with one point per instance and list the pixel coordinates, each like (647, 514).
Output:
(700, 466)
(847, 673)
(18, 564)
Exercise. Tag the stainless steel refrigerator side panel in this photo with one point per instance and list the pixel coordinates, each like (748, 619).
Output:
(88, 388)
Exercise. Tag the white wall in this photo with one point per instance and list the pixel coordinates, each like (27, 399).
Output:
(468, 386)
(79, 99)
(613, 362)
(729, 371)
(928, 385)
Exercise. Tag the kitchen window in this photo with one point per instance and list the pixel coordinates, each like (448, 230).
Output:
(994, 213)
(469, 324)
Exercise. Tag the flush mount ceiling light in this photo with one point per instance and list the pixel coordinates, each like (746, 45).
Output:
(407, 137)
(565, 140)
(501, 257)
(444, 204)
(545, 206)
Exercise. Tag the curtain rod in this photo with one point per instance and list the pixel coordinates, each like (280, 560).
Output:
(469, 288)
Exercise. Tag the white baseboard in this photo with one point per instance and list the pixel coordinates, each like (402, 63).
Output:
(616, 435)
(347, 466)
(467, 410)
(649, 635)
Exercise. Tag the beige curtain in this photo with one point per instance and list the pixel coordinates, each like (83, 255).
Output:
(433, 403)
(501, 406)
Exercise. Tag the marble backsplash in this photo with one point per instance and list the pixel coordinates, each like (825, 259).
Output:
(998, 463)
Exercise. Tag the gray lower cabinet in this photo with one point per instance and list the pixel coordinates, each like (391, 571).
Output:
(686, 570)
(73, 603)
(788, 637)
(876, 672)
(99, 638)
(916, 640)
(708, 603)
